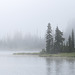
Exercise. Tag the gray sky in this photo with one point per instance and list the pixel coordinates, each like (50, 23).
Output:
(32, 16)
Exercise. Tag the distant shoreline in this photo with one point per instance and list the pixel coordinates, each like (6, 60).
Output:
(26, 53)
(47, 55)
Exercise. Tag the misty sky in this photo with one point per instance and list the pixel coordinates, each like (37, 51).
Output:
(32, 16)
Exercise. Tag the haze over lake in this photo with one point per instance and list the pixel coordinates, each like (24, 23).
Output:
(37, 27)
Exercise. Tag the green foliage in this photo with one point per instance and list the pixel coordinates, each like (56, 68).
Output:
(58, 40)
(72, 39)
(70, 44)
(49, 39)
(43, 51)
(58, 46)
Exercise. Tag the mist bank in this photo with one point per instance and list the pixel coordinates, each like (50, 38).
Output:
(30, 42)
(18, 42)
(70, 26)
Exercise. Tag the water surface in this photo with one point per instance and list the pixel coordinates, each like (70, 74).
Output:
(30, 65)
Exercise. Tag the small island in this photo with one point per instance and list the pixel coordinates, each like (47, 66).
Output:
(56, 46)
(47, 55)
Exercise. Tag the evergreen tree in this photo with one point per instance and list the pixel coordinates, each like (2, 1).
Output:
(49, 39)
(70, 44)
(58, 40)
(67, 47)
(72, 40)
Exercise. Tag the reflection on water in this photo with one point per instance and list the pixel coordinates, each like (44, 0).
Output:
(60, 66)
(30, 65)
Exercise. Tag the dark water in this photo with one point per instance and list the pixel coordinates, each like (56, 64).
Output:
(29, 65)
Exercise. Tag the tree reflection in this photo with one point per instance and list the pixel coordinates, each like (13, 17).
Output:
(50, 66)
(54, 66)
(48, 62)
(60, 66)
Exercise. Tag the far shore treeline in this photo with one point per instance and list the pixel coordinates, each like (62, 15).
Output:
(51, 43)
(57, 43)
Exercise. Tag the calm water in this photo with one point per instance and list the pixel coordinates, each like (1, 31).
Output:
(29, 65)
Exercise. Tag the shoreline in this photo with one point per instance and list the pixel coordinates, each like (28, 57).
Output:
(47, 55)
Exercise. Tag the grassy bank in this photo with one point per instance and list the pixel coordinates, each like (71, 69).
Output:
(48, 55)
(58, 55)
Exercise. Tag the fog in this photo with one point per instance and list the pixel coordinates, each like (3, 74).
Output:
(19, 42)
(70, 27)
(30, 17)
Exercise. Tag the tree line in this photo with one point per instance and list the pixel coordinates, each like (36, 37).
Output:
(57, 43)
(27, 42)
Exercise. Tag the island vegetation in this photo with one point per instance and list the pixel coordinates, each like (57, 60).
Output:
(56, 45)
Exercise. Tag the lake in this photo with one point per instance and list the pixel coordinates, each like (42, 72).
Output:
(34, 65)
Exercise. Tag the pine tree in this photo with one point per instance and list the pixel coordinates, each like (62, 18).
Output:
(70, 44)
(58, 40)
(49, 39)
(67, 47)
(72, 40)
